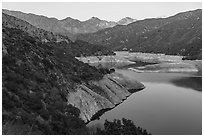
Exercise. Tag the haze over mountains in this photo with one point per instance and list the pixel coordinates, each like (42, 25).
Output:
(67, 26)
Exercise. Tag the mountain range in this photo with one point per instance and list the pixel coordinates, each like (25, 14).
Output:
(180, 34)
(67, 26)
(77, 48)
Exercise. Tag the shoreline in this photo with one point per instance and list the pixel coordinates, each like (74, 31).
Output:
(114, 89)
(98, 114)
(157, 64)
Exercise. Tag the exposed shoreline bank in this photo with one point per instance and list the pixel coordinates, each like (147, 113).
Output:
(115, 88)
(154, 62)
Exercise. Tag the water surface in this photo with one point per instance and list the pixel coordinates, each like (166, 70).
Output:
(171, 103)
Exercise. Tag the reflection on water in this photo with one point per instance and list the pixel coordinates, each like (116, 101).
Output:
(186, 80)
(189, 82)
(170, 104)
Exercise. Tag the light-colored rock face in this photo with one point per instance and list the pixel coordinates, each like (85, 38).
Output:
(114, 86)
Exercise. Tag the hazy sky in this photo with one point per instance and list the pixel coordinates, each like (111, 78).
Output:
(113, 11)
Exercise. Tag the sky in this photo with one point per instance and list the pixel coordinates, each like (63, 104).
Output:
(111, 11)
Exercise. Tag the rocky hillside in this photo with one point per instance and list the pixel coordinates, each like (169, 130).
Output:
(67, 26)
(179, 34)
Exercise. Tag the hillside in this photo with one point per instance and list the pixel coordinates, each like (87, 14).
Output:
(36, 79)
(77, 48)
(126, 21)
(38, 72)
(40, 34)
(67, 26)
(183, 37)
(173, 35)
(45, 90)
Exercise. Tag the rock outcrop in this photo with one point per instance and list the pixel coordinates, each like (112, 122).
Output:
(115, 88)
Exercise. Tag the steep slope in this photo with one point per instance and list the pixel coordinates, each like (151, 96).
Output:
(77, 48)
(39, 21)
(133, 36)
(36, 78)
(40, 34)
(183, 37)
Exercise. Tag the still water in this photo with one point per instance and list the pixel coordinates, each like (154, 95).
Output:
(171, 103)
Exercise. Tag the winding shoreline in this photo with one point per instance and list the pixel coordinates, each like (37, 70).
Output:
(117, 87)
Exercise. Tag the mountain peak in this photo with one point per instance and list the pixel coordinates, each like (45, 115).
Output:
(126, 20)
(94, 19)
(68, 18)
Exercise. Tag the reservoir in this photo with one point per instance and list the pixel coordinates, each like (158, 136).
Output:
(171, 104)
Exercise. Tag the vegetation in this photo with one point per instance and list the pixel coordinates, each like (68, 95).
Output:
(81, 48)
(38, 71)
(77, 48)
(176, 35)
(193, 57)
(68, 26)
(120, 127)
(36, 78)
(37, 33)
